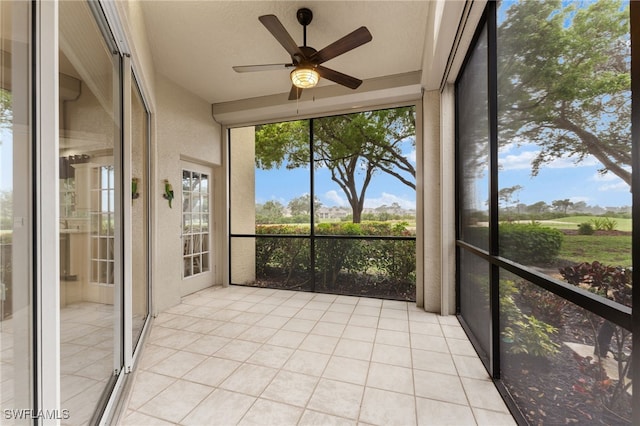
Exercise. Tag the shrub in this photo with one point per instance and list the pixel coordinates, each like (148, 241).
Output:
(524, 333)
(285, 254)
(529, 243)
(614, 283)
(531, 336)
(604, 224)
(542, 304)
(388, 259)
(611, 282)
(397, 259)
(585, 228)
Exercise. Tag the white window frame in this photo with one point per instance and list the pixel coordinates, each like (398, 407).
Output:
(196, 245)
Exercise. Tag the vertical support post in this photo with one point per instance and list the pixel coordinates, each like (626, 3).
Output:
(127, 283)
(634, 7)
(312, 220)
(47, 228)
(494, 276)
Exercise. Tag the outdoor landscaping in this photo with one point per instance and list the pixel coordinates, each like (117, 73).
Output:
(562, 364)
(361, 259)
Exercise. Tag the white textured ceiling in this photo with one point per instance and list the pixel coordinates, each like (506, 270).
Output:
(195, 43)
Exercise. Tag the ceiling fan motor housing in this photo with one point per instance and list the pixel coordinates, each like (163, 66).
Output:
(305, 16)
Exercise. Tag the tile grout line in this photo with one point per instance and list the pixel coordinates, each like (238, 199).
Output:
(366, 380)
(261, 343)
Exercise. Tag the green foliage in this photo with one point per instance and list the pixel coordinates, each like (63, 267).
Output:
(611, 282)
(269, 212)
(506, 195)
(562, 205)
(571, 222)
(529, 243)
(564, 81)
(282, 142)
(6, 208)
(526, 243)
(397, 258)
(604, 224)
(524, 333)
(353, 147)
(6, 112)
(531, 336)
(391, 259)
(301, 206)
(541, 303)
(585, 228)
(286, 254)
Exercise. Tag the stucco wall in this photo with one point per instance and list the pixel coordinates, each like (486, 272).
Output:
(432, 218)
(243, 203)
(184, 128)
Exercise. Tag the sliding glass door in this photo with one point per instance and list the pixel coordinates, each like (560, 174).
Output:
(139, 212)
(16, 325)
(91, 354)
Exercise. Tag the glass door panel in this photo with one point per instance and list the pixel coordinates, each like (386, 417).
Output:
(90, 295)
(15, 249)
(139, 212)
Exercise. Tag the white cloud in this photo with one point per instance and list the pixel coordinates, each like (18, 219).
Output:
(617, 187)
(579, 198)
(517, 162)
(523, 160)
(388, 199)
(607, 177)
(610, 182)
(411, 156)
(568, 162)
(335, 198)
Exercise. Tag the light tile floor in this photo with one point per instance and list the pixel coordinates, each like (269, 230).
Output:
(243, 355)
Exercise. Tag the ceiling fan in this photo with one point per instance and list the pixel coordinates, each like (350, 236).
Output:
(305, 60)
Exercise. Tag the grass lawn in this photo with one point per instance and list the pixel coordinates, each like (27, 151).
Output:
(572, 222)
(614, 250)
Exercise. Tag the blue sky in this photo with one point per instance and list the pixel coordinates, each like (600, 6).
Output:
(283, 185)
(558, 180)
(562, 178)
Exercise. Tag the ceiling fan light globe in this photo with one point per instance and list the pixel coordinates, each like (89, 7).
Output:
(304, 78)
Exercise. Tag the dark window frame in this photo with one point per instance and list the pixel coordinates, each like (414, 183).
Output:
(620, 315)
(311, 236)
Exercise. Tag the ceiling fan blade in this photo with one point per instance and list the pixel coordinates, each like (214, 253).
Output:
(266, 67)
(295, 93)
(345, 44)
(275, 27)
(338, 77)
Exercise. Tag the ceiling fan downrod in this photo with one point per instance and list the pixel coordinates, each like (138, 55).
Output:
(305, 16)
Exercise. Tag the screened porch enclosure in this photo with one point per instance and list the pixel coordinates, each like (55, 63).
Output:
(326, 205)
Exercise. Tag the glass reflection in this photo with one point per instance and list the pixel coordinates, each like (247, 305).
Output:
(195, 222)
(139, 211)
(564, 133)
(473, 150)
(15, 219)
(90, 352)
